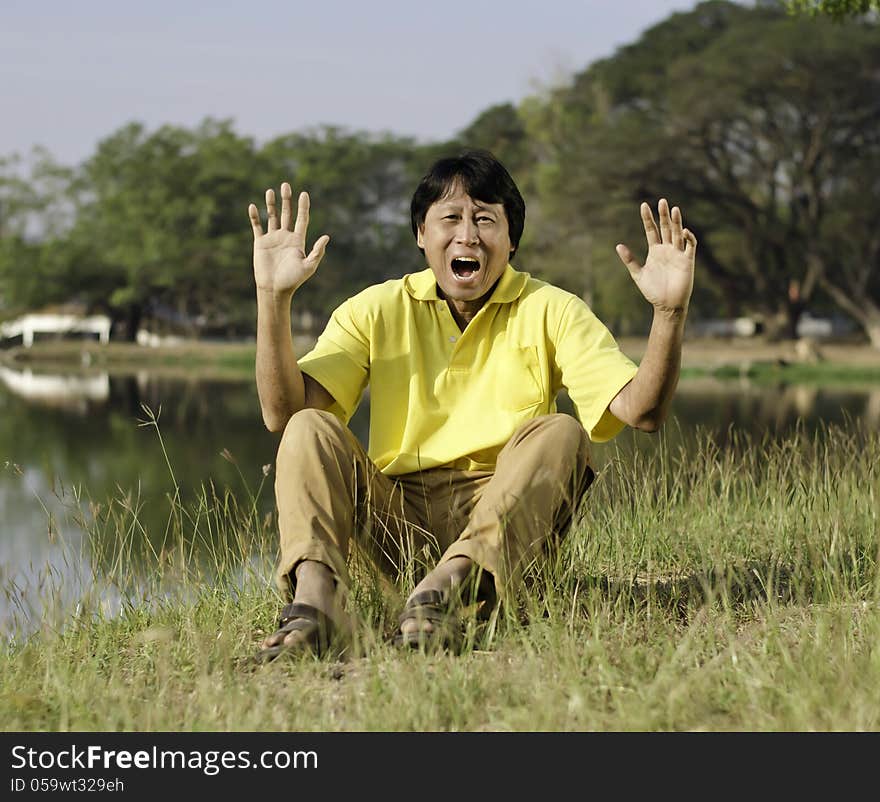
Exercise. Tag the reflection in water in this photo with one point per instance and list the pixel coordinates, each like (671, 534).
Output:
(74, 459)
(725, 410)
(75, 446)
(71, 391)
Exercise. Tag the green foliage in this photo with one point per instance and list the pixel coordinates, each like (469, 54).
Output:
(501, 130)
(146, 225)
(749, 120)
(159, 217)
(154, 224)
(836, 9)
(39, 264)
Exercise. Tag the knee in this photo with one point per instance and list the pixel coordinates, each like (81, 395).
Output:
(567, 445)
(563, 432)
(563, 437)
(558, 437)
(307, 424)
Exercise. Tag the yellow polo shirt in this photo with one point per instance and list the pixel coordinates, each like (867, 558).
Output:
(443, 397)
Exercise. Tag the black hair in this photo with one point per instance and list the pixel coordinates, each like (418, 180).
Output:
(482, 177)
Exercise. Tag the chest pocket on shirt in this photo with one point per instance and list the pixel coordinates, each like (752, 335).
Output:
(518, 384)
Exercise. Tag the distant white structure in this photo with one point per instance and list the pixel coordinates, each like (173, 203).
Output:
(33, 323)
(151, 340)
(727, 327)
(809, 326)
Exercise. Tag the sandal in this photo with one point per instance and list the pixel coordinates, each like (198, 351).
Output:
(430, 606)
(300, 617)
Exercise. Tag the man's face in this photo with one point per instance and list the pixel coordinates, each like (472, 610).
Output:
(466, 243)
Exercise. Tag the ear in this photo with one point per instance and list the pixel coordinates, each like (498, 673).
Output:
(420, 237)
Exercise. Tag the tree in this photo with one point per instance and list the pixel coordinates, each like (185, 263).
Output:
(37, 212)
(154, 224)
(501, 130)
(836, 9)
(746, 118)
(157, 219)
(849, 245)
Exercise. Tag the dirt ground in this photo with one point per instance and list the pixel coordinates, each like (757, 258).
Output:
(714, 352)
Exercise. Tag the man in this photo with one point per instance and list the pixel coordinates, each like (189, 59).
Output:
(468, 461)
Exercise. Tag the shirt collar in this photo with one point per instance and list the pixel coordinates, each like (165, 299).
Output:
(423, 286)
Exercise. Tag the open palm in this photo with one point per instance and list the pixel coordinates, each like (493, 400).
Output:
(281, 264)
(666, 279)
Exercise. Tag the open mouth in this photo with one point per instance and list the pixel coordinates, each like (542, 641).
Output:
(464, 268)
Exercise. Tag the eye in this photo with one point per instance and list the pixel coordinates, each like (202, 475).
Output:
(485, 220)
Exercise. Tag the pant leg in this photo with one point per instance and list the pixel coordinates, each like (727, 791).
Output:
(441, 499)
(540, 476)
(330, 495)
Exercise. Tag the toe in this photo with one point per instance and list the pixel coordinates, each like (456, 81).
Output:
(286, 637)
(411, 626)
(296, 637)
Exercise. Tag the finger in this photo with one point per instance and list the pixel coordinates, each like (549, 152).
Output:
(626, 256)
(286, 211)
(691, 247)
(254, 215)
(302, 217)
(272, 212)
(665, 222)
(317, 253)
(677, 238)
(650, 227)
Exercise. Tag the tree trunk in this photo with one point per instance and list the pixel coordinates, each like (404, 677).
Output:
(133, 316)
(860, 307)
(872, 329)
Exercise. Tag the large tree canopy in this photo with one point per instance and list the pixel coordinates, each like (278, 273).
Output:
(154, 225)
(147, 225)
(755, 122)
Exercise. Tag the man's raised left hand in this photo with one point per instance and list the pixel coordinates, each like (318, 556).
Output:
(667, 277)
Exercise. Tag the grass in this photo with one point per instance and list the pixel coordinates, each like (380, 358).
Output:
(758, 361)
(700, 590)
(822, 373)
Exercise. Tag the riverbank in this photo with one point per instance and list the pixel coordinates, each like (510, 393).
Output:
(63, 356)
(785, 362)
(755, 359)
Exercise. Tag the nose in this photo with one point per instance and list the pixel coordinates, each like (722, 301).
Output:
(467, 231)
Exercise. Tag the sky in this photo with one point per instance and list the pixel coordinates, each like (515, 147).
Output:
(72, 73)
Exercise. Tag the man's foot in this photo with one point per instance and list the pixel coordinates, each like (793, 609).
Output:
(429, 616)
(309, 624)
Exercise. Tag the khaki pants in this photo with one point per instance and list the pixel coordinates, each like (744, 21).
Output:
(332, 497)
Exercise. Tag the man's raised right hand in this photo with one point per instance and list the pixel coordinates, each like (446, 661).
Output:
(280, 261)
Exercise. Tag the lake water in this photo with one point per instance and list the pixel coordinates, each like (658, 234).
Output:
(67, 440)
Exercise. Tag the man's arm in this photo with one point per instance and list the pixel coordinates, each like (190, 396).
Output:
(666, 281)
(281, 266)
(282, 388)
